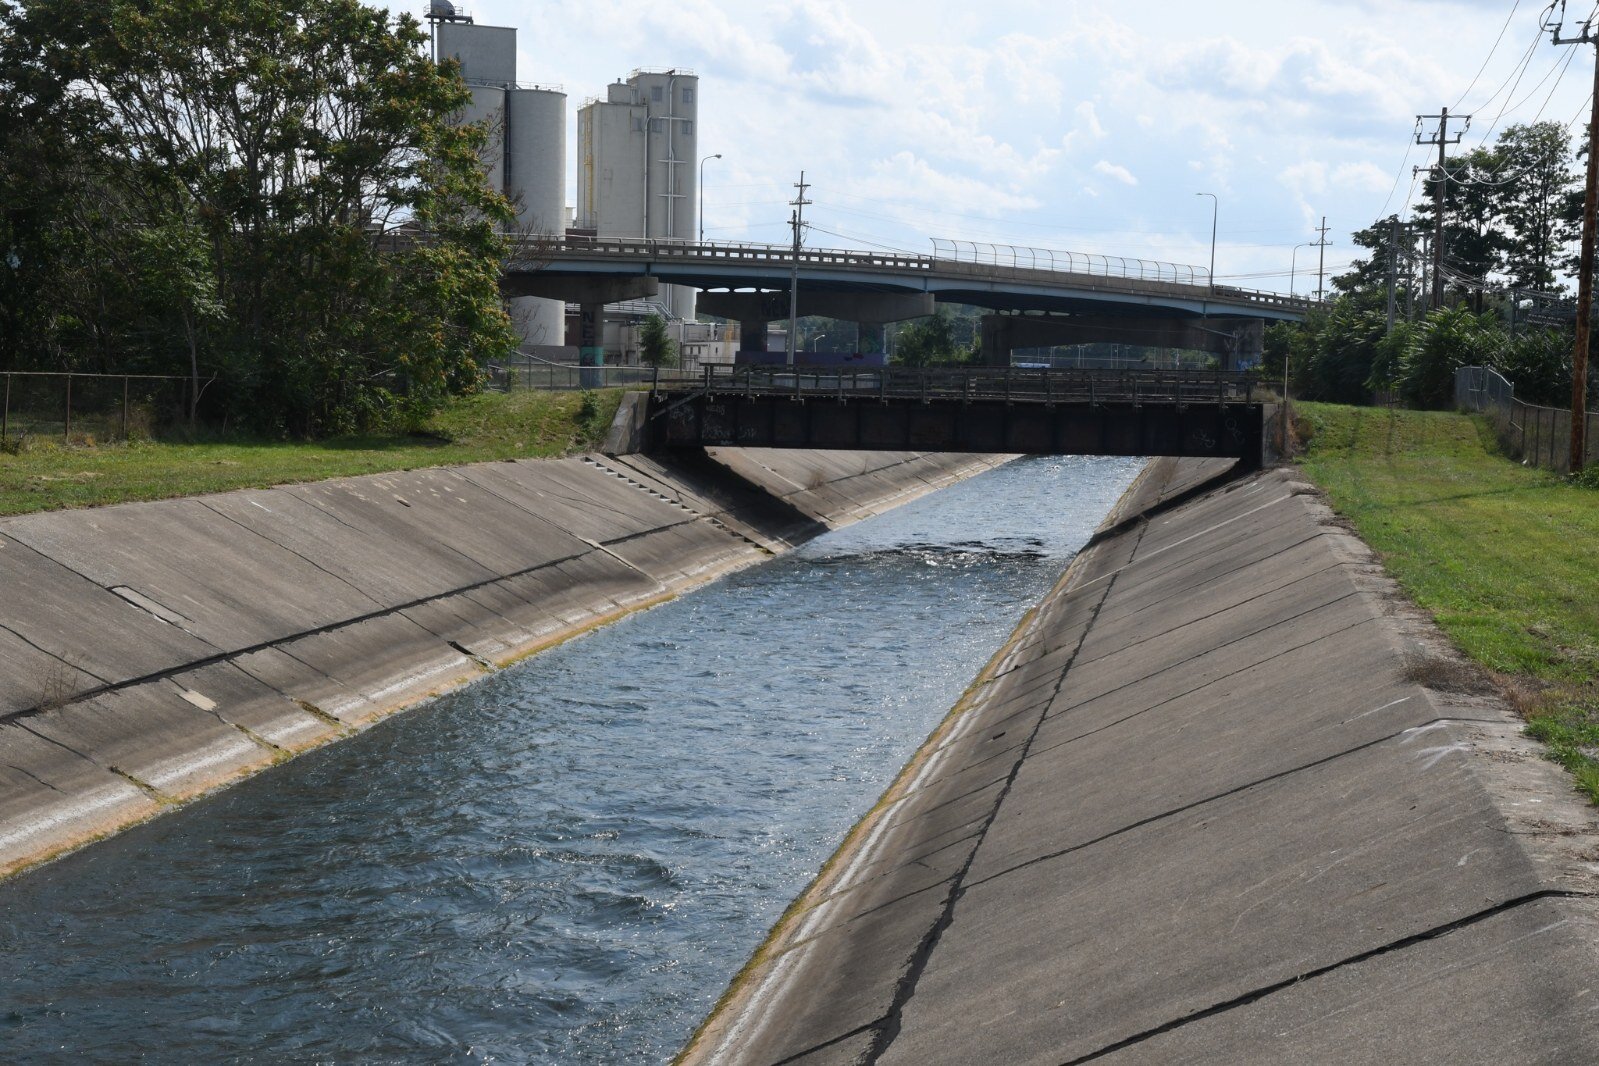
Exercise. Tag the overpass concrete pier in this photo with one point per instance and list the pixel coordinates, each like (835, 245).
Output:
(1224, 797)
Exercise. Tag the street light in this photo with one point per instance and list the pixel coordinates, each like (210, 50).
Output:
(1293, 265)
(1215, 213)
(718, 155)
(816, 342)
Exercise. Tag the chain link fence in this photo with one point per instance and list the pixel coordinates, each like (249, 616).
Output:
(532, 373)
(1537, 435)
(91, 408)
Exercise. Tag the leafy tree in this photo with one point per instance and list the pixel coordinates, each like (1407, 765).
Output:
(656, 348)
(231, 173)
(1449, 339)
(1538, 186)
(931, 340)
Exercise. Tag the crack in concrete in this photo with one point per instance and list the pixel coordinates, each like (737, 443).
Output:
(905, 989)
(1221, 647)
(1261, 993)
(1208, 799)
(298, 555)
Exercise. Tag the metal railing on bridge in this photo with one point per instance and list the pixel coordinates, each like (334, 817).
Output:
(969, 384)
(1085, 270)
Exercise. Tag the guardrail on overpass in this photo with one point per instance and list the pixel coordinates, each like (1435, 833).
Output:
(1087, 271)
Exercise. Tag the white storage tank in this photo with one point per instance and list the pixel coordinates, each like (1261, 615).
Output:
(535, 182)
(488, 105)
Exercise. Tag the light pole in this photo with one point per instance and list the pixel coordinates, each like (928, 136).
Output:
(1215, 213)
(816, 342)
(718, 155)
(1293, 265)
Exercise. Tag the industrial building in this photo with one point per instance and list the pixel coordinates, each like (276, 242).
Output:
(525, 157)
(637, 164)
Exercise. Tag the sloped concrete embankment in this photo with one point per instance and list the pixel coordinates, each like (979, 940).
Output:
(151, 652)
(1204, 807)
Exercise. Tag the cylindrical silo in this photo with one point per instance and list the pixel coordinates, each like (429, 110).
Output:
(535, 182)
(535, 157)
(488, 106)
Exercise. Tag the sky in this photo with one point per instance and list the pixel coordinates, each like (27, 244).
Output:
(1073, 125)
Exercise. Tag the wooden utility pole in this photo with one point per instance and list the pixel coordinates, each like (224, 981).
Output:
(797, 220)
(1441, 139)
(1579, 356)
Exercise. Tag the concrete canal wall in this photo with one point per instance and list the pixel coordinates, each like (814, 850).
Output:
(152, 652)
(1224, 797)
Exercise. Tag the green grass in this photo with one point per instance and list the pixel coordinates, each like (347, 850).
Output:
(44, 475)
(1500, 554)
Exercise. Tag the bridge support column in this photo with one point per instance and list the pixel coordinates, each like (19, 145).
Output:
(999, 337)
(871, 338)
(752, 335)
(590, 344)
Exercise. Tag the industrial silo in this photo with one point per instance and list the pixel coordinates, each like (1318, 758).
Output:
(488, 105)
(535, 182)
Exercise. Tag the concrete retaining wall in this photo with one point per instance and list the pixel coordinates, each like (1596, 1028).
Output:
(152, 652)
(1224, 797)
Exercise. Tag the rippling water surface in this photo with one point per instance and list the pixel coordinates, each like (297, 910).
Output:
(567, 861)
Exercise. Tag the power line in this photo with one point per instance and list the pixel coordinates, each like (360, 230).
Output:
(1491, 53)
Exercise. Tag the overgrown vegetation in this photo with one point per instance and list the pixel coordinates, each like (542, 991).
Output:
(1500, 554)
(1511, 213)
(213, 189)
(43, 475)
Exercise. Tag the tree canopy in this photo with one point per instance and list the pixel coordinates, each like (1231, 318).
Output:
(219, 188)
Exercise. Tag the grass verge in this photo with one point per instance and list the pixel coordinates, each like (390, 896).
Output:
(1501, 555)
(46, 475)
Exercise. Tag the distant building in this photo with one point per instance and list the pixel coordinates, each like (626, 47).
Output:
(637, 172)
(526, 154)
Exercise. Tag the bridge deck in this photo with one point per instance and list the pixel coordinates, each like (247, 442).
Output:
(1048, 412)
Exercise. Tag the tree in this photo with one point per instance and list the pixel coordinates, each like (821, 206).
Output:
(656, 348)
(927, 341)
(1540, 183)
(273, 147)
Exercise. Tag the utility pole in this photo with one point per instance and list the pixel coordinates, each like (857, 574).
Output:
(1393, 272)
(1441, 139)
(1579, 356)
(797, 220)
(1321, 265)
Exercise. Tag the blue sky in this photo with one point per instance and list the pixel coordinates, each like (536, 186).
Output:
(1083, 126)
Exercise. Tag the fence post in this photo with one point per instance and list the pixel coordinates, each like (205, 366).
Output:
(125, 407)
(66, 430)
(5, 414)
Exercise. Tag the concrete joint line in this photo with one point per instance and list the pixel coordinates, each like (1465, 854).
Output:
(289, 638)
(1214, 578)
(1185, 540)
(1223, 610)
(1219, 647)
(1184, 695)
(50, 655)
(917, 964)
(1401, 736)
(1401, 944)
(298, 555)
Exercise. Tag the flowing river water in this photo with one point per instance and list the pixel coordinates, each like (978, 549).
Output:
(567, 861)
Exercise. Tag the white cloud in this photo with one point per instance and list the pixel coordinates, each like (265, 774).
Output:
(1115, 171)
(1082, 123)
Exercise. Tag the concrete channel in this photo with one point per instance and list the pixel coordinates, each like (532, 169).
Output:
(1224, 797)
(150, 653)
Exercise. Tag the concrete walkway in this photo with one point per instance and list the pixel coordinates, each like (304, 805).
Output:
(1201, 810)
